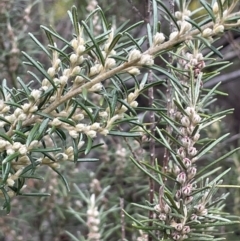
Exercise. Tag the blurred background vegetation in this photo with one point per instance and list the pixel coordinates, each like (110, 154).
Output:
(113, 177)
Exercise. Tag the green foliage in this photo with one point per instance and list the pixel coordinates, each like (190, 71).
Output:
(84, 102)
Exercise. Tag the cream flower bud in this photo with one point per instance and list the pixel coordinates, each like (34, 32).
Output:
(104, 132)
(67, 72)
(134, 55)
(16, 145)
(91, 133)
(218, 29)
(95, 126)
(103, 114)
(33, 109)
(173, 35)
(26, 107)
(96, 87)
(134, 104)
(63, 80)
(215, 8)
(146, 59)
(56, 122)
(73, 58)
(56, 63)
(73, 134)
(133, 71)
(158, 38)
(78, 117)
(51, 71)
(207, 32)
(80, 127)
(23, 150)
(110, 63)
(36, 94)
(22, 116)
(10, 182)
(76, 70)
(80, 144)
(80, 49)
(5, 109)
(185, 27)
(131, 97)
(74, 43)
(178, 15)
(95, 69)
(79, 79)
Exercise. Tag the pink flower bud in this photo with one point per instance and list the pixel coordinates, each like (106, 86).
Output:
(186, 229)
(192, 151)
(191, 172)
(186, 191)
(187, 162)
(181, 178)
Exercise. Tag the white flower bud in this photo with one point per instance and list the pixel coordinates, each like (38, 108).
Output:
(51, 71)
(178, 15)
(79, 80)
(36, 94)
(95, 69)
(133, 71)
(74, 43)
(134, 55)
(78, 117)
(63, 80)
(73, 134)
(56, 63)
(16, 145)
(215, 8)
(104, 132)
(5, 109)
(110, 63)
(23, 150)
(66, 72)
(158, 39)
(10, 182)
(134, 104)
(56, 122)
(80, 127)
(218, 29)
(207, 32)
(103, 114)
(146, 59)
(33, 109)
(91, 133)
(22, 117)
(95, 126)
(26, 107)
(173, 35)
(96, 87)
(76, 70)
(80, 49)
(80, 144)
(185, 27)
(73, 58)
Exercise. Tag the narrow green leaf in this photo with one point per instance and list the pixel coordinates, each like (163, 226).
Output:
(208, 9)
(32, 134)
(85, 108)
(63, 179)
(5, 137)
(39, 68)
(51, 33)
(11, 157)
(114, 42)
(133, 41)
(168, 13)
(43, 150)
(89, 145)
(124, 134)
(75, 20)
(129, 107)
(39, 44)
(210, 146)
(204, 41)
(96, 45)
(7, 203)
